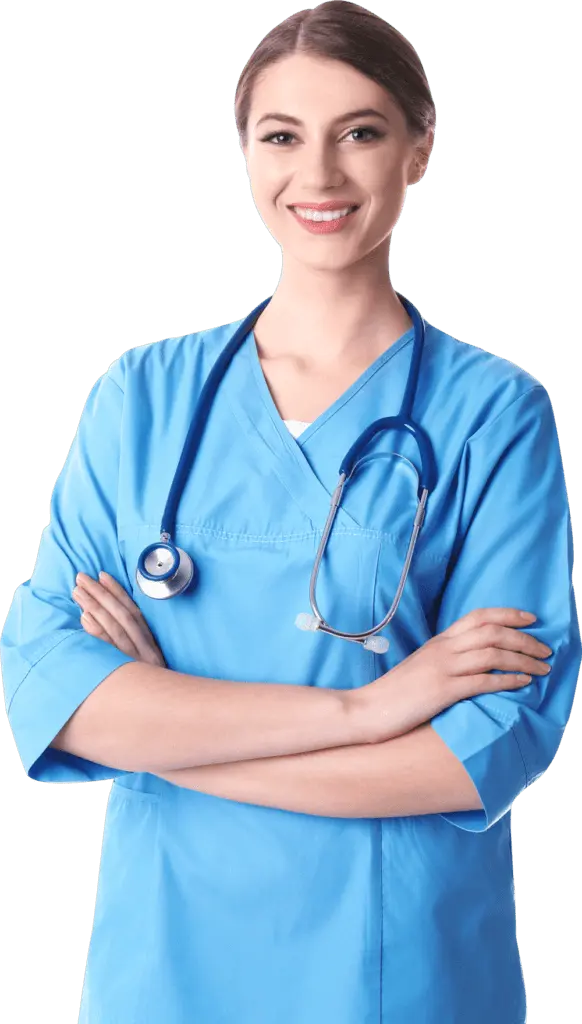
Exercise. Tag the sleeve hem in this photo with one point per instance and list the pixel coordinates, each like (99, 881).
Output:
(491, 756)
(49, 694)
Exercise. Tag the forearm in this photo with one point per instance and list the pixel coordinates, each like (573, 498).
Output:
(414, 773)
(148, 718)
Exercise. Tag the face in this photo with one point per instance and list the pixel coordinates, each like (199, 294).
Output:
(316, 153)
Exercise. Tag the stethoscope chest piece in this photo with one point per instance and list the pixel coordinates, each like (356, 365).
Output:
(164, 570)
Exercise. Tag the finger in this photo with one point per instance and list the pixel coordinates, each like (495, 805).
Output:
(90, 625)
(111, 584)
(112, 633)
(120, 605)
(486, 659)
(94, 628)
(487, 683)
(124, 631)
(112, 621)
(495, 635)
(511, 617)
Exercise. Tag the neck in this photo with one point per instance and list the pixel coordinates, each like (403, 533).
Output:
(322, 317)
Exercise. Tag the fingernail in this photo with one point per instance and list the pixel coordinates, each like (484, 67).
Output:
(103, 575)
(528, 615)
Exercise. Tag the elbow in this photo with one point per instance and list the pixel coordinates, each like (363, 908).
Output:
(77, 737)
(92, 732)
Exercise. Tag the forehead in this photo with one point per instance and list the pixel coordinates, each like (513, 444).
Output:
(302, 84)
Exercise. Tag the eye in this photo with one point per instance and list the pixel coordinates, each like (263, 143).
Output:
(289, 135)
(276, 135)
(371, 131)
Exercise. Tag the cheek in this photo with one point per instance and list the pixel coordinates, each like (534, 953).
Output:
(390, 177)
(267, 189)
(387, 200)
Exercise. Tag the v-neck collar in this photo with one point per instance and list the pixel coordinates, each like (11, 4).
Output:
(250, 344)
(250, 399)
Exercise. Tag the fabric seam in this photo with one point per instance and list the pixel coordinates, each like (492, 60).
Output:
(485, 427)
(37, 662)
(525, 771)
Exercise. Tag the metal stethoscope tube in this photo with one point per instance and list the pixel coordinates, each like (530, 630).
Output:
(367, 637)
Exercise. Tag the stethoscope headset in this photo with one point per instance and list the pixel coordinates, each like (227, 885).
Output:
(165, 570)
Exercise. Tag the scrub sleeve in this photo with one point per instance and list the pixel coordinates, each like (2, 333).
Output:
(49, 663)
(513, 548)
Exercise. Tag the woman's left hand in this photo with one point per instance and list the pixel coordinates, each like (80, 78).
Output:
(110, 614)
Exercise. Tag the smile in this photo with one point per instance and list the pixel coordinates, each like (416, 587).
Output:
(309, 214)
(323, 222)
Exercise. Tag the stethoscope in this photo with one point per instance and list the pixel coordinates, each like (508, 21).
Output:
(165, 570)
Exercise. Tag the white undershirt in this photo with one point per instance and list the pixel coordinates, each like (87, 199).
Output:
(296, 427)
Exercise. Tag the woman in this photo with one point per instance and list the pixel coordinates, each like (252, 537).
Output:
(331, 841)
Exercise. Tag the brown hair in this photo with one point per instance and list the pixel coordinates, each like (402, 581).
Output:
(345, 31)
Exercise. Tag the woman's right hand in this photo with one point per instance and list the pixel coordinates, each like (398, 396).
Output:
(451, 666)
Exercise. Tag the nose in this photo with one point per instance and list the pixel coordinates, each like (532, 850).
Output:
(320, 167)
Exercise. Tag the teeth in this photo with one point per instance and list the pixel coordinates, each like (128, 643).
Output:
(308, 214)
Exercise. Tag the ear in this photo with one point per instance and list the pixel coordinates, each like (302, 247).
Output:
(422, 152)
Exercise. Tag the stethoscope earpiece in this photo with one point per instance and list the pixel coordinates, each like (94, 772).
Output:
(311, 623)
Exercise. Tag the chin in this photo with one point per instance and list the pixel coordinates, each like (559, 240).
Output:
(341, 261)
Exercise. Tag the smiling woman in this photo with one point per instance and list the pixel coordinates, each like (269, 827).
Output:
(301, 829)
(343, 155)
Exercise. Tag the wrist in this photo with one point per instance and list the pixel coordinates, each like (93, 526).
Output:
(362, 715)
(394, 704)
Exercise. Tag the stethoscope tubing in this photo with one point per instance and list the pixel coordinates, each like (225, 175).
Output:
(165, 570)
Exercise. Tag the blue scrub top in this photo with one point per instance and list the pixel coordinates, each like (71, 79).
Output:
(215, 911)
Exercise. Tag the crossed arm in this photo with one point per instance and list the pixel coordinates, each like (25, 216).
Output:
(414, 773)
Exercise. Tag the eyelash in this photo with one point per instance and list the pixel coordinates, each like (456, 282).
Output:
(373, 131)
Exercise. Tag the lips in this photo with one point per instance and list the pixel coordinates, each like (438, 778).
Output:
(324, 227)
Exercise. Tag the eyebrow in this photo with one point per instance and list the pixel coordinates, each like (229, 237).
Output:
(365, 112)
